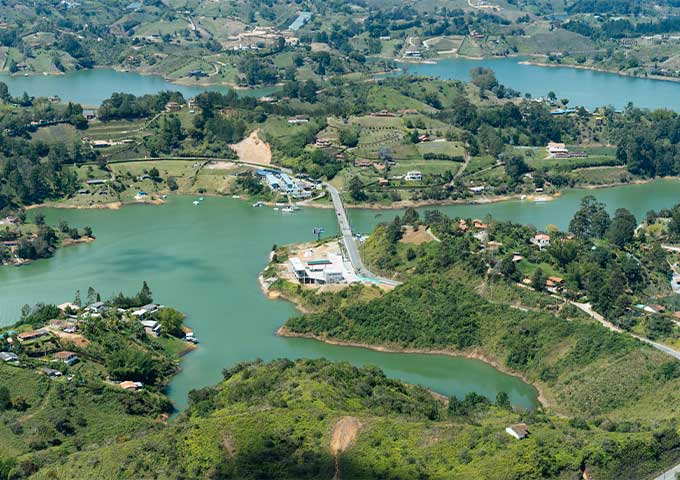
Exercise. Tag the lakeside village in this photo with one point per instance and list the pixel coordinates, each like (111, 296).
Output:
(64, 340)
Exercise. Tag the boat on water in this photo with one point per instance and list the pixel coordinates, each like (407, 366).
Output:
(196, 202)
(236, 196)
(295, 207)
(276, 208)
(258, 204)
(201, 199)
(287, 210)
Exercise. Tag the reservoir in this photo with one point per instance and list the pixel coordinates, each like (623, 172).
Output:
(586, 88)
(582, 87)
(205, 260)
(92, 87)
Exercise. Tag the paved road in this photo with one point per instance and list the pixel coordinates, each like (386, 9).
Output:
(348, 240)
(587, 308)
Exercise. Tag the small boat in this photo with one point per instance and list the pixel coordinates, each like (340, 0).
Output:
(163, 197)
(201, 199)
(287, 210)
(236, 196)
(196, 202)
(276, 208)
(258, 204)
(523, 197)
(295, 207)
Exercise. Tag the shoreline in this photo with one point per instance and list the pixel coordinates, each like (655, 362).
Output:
(474, 355)
(600, 69)
(283, 331)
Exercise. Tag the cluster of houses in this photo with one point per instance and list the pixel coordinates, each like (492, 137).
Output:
(282, 182)
(42, 342)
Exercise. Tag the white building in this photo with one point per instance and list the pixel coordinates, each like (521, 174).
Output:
(324, 271)
(554, 147)
(541, 240)
(413, 176)
(518, 431)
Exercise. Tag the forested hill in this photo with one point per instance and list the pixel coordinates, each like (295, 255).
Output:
(294, 419)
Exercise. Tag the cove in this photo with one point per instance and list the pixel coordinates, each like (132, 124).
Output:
(588, 88)
(205, 260)
(92, 87)
(638, 198)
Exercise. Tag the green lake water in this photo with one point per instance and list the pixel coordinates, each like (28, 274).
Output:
(582, 87)
(92, 87)
(586, 88)
(205, 261)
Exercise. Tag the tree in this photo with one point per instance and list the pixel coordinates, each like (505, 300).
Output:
(171, 321)
(77, 300)
(507, 268)
(503, 400)
(411, 216)
(145, 296)
(484, 78)
(5, 398)
(591, 220)
(4, 92)
(356, 189)
(515, 167)
(308, 91)
(91, 295)
(538, 279)
(39, 219)
(622, 228)
(348, 137)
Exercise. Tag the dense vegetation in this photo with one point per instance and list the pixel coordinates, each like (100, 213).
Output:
(277, 420)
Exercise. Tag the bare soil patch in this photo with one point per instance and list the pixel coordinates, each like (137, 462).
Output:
(416, 237)
(253, 149)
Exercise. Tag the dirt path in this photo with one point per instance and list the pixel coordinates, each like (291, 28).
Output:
(466, 162)
(253, 149)
(344, 433)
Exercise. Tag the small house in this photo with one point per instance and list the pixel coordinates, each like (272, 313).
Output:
(69, 306)
(172, 107)
(298, 119)
(8, 357)
(413, 176)
(96, 307)
(518, 431)
(51, 372)
(541, 240)
(479, 225)
(130, 385)
(554, 148)
(152, 327)
(69, 358)
(32, 335)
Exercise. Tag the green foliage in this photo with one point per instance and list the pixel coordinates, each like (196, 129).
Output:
(171, 321)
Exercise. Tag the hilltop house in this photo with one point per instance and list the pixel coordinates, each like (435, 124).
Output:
(8, 357)
(32, 335)
(69, 358)
(554, 148)
(541, 240)
(413, 176)
(518, 431)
